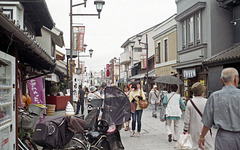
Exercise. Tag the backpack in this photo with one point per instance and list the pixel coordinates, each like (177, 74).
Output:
(52, 133)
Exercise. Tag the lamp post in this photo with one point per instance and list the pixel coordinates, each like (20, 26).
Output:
(99, 5)
(119, 69)
(132, 43)
(139, 37)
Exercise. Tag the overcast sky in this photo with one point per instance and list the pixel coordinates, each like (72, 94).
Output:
(120, 19)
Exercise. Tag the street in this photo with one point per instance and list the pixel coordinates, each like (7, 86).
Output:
(153, 134)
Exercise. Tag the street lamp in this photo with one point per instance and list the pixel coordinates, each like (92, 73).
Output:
(132, 43)
(99, 5)
(119, 69)
(139, 38)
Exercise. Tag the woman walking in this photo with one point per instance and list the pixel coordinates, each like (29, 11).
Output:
(127, 91)
(134, 97)
(173, 112)
(192, 119)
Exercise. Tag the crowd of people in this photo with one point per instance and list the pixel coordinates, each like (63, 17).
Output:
(220, 110)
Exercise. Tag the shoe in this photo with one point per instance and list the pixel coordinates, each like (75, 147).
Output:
(174, 140)
(155, 116)
(170, 138)
(138, 134)
(132, 134)
(127, 128)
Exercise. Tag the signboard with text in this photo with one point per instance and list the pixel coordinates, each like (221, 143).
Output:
(108, 71)
(78, 38)
(36, 90)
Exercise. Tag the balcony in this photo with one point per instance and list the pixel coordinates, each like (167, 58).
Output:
(125, 57)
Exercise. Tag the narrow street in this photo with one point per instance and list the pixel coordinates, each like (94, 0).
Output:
(153, 134)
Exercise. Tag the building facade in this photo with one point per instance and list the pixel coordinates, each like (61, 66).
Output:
(199, 24)
(165, 41)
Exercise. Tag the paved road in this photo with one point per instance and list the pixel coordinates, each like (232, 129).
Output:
(153, 134)
(153, 137)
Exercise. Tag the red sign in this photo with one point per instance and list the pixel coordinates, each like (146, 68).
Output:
(108, 72)
(78, 38)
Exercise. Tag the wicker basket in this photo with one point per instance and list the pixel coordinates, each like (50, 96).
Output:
(50, 109)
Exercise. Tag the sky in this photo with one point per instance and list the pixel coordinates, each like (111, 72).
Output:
(120, 19)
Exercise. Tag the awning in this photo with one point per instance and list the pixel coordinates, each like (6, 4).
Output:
(230, 55)
(32, 53)
(138, 76)
(151, 73)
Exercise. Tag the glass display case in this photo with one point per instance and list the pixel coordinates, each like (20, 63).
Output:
(7, 100)
(5, 91)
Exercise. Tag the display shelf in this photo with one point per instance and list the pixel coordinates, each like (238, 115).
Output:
(5, 104)
(5, 86)
(5, 121)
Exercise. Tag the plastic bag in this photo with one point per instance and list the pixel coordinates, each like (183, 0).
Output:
(184, 142)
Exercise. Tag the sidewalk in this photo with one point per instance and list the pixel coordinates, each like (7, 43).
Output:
(153, 134)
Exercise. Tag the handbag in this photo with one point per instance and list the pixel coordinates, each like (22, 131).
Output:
(162, 115)
(143, 103)
(184, 142)
(133, 107)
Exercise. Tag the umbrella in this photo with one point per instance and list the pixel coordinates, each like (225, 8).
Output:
(168, 80)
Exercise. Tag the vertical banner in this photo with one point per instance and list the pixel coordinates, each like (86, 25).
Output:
(108, 71)
(78, 38)
(76, 82)
(36, 90)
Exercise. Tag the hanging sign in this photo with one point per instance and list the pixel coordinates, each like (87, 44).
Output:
(36, 90)
(78, 38)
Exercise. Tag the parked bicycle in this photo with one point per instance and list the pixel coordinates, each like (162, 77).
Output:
(101, 129)
(27, 119)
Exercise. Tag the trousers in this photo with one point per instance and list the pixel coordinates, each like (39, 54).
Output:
(137, 116)
(176, 128)
(227, 140)
(78, 107)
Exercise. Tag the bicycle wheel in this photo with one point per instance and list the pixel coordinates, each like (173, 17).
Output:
(30, 144)
(76, 144)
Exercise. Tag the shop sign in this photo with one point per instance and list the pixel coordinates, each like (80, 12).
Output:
(108, 71)
(78, 38)
(189, 73)
(36, 91)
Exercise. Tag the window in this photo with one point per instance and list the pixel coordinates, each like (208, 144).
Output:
(137, 49)
(159, 52)
(53, 49)
(184, 35)
(166, 50)
(198, 27)
(191, 30)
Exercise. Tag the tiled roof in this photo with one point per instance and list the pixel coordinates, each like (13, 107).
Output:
(228, 54)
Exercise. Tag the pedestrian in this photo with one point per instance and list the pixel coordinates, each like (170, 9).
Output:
(127, 91)
(192, 118)
(154, 97)
(222, 112)
(137, 116)
(80, 101)
(103, 86)
(173, 112)
(86, 92)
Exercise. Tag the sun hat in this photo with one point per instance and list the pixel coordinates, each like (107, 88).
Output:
(197, 89)
(92, 89)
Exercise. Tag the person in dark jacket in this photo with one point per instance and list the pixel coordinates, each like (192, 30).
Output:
(80, 101)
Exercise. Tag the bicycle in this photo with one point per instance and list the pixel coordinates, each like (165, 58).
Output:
(27, 119)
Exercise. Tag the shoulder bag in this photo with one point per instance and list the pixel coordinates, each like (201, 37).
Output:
(199, 112)
(143, 103)
(163, 110)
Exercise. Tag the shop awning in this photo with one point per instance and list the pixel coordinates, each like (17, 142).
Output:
(31, 51)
